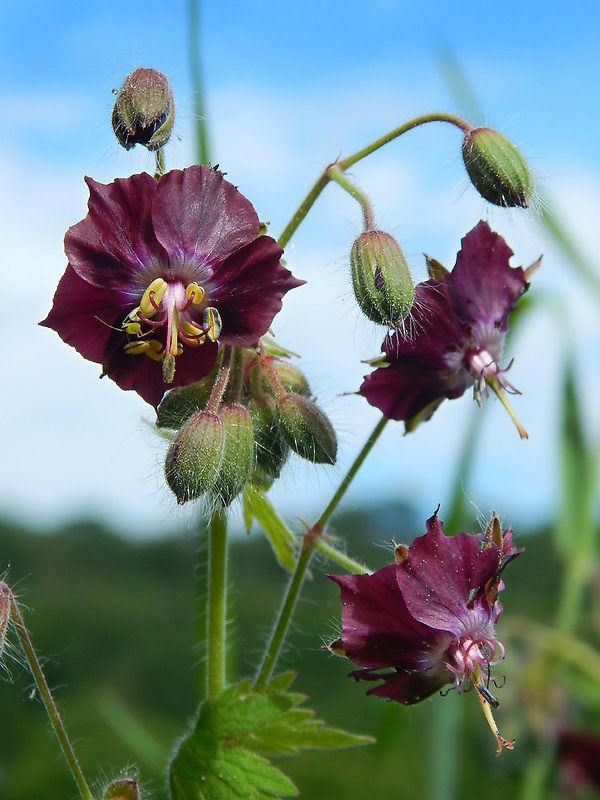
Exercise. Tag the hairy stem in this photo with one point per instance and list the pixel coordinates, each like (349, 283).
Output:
(46, 696)
(217, 604)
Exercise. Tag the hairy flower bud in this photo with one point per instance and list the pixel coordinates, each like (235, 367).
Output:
(144, 112)
(5, 596)
(496, 168)
(382, 283)
(271, 449)
(182, 402)
(306, 429)
(292, 379)
(122, 789)
(238, 453)
(195, 456)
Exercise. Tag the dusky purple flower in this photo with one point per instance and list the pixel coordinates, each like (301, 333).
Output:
(579, 760)
(161, 273)
(454, 335)
(429, 619)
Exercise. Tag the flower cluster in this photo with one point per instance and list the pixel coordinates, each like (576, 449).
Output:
(429, 619)
(454, 335)
(162, 272)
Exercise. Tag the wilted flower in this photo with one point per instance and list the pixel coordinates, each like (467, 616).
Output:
(454, 335)
(430, 617)
(161, 272)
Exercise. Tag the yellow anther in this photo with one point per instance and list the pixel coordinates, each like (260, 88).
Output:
(133, 328)
(194, 333)
(211, 320)
(135, 348)
(194, 293)
(168, 368)
(157, 289)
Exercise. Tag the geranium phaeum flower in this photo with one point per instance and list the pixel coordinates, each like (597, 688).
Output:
(162, 272)
(428, 620)
(454, 335)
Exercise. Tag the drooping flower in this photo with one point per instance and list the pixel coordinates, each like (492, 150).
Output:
(160, 273)
(454, 335)
(429, 619)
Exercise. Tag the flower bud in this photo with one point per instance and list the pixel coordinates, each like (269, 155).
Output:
(195, 456)
(306, 429)
(5, 596)
(182, 402)
(292, 379)
(271, 449)
(238, 452)
(496, 168)
(382, 283)
(122, 789)
(144, 112)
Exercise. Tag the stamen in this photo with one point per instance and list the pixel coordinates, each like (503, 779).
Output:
(150, 347)
(494, 383)
(194, 293)
(211, 322)
(152, 296)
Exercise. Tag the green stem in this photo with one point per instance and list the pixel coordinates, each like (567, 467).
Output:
(325, 516)
(342, 165)
(47, 699)
(217, 603)
(311, 540)
(340, 558)
(194, 33)
(159, 158)
(218, 390)
(336, 174)
(285, 616)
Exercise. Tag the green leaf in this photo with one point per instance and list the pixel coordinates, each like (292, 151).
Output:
(223, 757)
(256, 506)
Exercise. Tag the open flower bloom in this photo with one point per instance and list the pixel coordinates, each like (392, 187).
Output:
(162, 272)
(454, 334)
(428, 620)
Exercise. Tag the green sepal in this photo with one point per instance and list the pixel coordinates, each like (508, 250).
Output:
(257, 506)
(223, 757)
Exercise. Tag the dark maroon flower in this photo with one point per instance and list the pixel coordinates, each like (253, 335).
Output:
(160, 273)
(454, 335)
(428, 620)
(579, 759)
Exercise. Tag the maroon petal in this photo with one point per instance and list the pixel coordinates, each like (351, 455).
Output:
(85, 315)
(114, 247)
(199, 216)
(144, 375)
(406, 686)
(248, 289)
(438, 575)
(377, 628)
(484, 289)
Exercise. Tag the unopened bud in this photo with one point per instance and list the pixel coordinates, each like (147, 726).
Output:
(496, 168)
(182, 402)
(144, 112)
(122, 789)
(5, 597)
(382, 283)
(271, 449)
(238, 453)
(292, 379)
(306, 429)
(195, 455)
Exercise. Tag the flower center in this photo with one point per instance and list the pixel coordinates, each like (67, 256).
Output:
(169, 305)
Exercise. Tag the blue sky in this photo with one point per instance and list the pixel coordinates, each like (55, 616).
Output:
(288, 88)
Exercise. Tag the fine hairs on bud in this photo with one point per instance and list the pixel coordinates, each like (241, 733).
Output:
(144, 111)
(5, 600)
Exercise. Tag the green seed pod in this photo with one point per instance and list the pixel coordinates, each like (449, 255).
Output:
(496, 168)
(238, 453)
(122, 789)
(306, 429)
(271, 449)
(194, 458)
(382, 283)
(144, 112)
